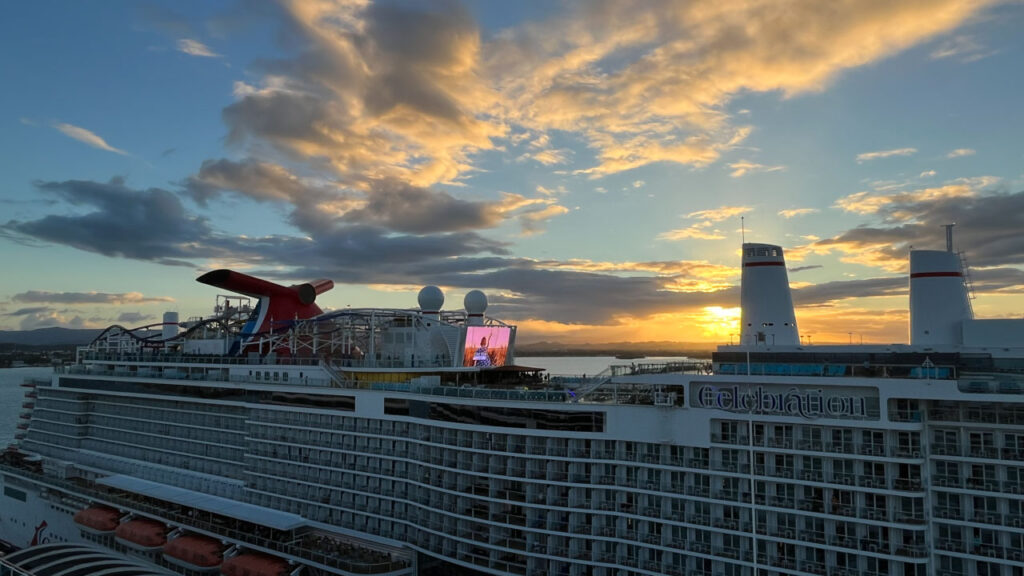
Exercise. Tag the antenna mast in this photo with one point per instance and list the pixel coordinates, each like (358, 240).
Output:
(743, 230)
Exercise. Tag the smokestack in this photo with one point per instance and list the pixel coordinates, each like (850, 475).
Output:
(767, 306)
(938, 296)
(170, 327)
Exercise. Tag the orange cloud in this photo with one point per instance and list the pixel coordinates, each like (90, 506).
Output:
(794, 212)
(678, 63)
(865, 156)
(719, 214)
(744, 167)
(869, 203)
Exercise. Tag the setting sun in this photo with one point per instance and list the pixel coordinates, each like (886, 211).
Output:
(720, 323)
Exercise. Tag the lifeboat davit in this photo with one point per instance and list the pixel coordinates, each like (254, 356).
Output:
(142, 534)
(255, 564)
(97, 519)
(195, 552)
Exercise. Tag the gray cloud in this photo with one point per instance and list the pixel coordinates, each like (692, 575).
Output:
(134, 317)
(44, 317)
(802, 268)
(153, 225)
(827, 292)
(31, 311)
(117, 221)
(988, 226)
(398, 206)
(42, 296)
(582, 297)
(387, 203)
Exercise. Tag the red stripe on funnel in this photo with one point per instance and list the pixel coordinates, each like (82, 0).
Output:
(936, 275)
(755, 264)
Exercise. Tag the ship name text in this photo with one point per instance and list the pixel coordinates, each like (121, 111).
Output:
(809, 404)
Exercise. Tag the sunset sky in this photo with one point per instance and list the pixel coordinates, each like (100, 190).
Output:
(586, 164)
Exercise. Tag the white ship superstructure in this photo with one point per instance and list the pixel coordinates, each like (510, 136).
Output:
(386, 441)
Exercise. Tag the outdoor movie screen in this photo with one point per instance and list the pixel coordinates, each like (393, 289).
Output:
(486, 346)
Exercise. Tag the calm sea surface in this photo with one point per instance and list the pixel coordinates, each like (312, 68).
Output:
(12, 394)
(579, 365)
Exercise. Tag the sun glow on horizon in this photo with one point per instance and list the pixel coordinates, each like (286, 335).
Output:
(719, 323)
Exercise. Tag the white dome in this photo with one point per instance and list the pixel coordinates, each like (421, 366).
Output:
(431, 299)
(475, 302)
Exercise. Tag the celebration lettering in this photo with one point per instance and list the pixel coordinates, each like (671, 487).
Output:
(809, 404)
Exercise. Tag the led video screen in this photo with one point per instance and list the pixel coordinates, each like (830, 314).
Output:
(486, 346)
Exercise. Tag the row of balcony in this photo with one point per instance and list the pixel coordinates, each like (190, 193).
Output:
(883, 450)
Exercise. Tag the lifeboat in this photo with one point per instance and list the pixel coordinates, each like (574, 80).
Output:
(23, 425)
(28, 405)
(97, 519)
(29, 384)
(254, 564)
(30, 394)
(142, 534)
(195, 552)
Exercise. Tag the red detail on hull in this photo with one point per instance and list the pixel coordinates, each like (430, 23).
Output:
(98, 519)
(201, 552)
(39, 532)
(936, 275)
(254, 564)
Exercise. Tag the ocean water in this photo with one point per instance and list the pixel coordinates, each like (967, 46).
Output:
(580, 365)
(12, 395)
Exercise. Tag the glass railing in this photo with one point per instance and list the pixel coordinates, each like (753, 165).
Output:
(837, 370)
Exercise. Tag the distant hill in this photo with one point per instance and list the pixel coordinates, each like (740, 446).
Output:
(49, 336)
(660, 348)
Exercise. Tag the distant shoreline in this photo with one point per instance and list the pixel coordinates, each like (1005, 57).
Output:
(590, 353)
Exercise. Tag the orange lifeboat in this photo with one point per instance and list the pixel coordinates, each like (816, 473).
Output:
(195, 552)
(142, 534)
(254, 564)
(97, 519)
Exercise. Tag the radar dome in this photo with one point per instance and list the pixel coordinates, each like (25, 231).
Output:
(431, 299)
(475, 302)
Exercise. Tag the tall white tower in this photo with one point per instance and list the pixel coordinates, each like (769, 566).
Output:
(767, 306)
(170, 328)
(938, 297)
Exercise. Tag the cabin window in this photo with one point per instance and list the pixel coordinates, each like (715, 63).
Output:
(15, 493)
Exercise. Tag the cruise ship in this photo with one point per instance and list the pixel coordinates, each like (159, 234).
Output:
(274, 439)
